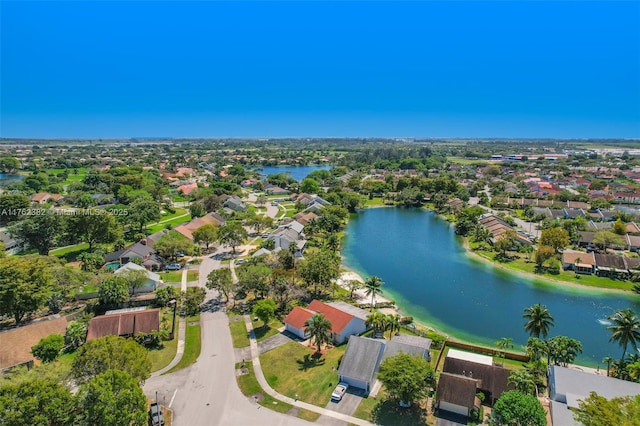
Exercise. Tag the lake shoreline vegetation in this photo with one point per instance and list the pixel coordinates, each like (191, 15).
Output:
(79, 206)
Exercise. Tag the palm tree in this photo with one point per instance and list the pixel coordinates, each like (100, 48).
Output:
(539, 320)
(393, 322)
(319, 329)
(522, 381)
(373, 285)
(608, 360)
(625, 329)
(378, 321)
(504, 344)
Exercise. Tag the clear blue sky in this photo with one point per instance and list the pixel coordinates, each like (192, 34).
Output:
(279, 69)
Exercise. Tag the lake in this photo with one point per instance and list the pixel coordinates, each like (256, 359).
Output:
(427, 272)
(6, 179)
(296, 172)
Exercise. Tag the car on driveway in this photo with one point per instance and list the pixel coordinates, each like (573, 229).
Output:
(155, 415)
(172, 267)
(339, 391)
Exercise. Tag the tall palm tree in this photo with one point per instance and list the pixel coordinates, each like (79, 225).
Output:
(522, 381)
(373, 285)
(319, 329)
(539, 320)
(504, 344)
(625, 329)
(608, 360)
(393, 323)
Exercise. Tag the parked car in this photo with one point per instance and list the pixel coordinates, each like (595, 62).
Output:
(155, 415)
(339, 391)
(275, 203)
(240, 261)
(172, 267)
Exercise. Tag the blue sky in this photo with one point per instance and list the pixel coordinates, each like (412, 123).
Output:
(327, 69)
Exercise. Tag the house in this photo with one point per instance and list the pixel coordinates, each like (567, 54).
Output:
(187, 188)
(457, 394)
(568, 386)
(343, 323)
(43, 197)
(187, 229)
(275, 190)
(363, 356)
(290, 233)
(578, 261)
(139, 250)
(17, 342)
(11, 245)
(491, 379)
(125, 323)
(153, 279)
(234, 203)
(360, 362)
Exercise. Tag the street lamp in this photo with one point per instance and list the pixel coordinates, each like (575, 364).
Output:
(173, 324)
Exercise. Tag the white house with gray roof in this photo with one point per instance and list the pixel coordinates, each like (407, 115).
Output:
(567, 387)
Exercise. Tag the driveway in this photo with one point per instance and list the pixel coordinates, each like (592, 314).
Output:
(444, 418)
(273, 342)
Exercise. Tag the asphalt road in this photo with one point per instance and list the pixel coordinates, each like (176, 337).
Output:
(206, 393)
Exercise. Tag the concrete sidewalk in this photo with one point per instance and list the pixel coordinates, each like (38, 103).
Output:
(257, 368)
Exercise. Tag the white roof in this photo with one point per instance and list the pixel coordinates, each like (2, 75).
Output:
(468, 356)
(135, 267)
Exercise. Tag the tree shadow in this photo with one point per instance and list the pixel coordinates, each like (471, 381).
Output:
(261, 331)
(310, 361)
(390, 412)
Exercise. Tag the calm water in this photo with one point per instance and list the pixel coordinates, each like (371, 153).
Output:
(296, 172)
(7, 179)
(428, 274)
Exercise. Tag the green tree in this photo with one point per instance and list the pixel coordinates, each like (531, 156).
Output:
(373, 285)
(515, 408)
(504, 344)
(393, 324)
(142, 211)
(93, 226)
(111, 353)
(90, 262)
(9, 165)
(539, 320)
(406, 377)
(193, 298)
(543, 254)
(135, 278)
(171, 243)
(625, 329)
(197, 209)
(48, 348)
(221, 280)
(206, 234)
(619, 227)
(11, 206)
(113, 290)
(164, 295)
(265, 310)
(309, 186)
(562, 350)
(557, 237)
(75, 335)
(36, 402)
(112, 398)
(378, 321)
(319, 269)
(605, 239)
(596, 410)
(25, 285)
(352, 286)
(522, 381)
(232, 234)
(319, 329)
(535, 348)
(40, 232)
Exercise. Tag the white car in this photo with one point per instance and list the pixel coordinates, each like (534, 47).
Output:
(339, 391)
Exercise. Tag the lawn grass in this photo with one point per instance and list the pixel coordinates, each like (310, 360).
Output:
(73, 177)
(160, 358)
(239, 334)
(70, 253)
(152, 229)
(171, 276)
(168, 215)
(249, 386)
(375, 202)
(193, 275)
(192, 344)
(293, 369)
(381, 410)
(270, 330)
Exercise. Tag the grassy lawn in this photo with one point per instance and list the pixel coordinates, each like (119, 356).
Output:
(290, 213)
(173, 222)
(160, 358)
(293, 369)
(375, 202)
(270, 330)
(249, 386)
(466, 161)
(380, 410)
(191, 344)
(73, 177)
(70, 253)
(168, 215)
(238, 331)
(171, 276)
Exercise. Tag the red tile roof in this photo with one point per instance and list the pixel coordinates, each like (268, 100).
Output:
(298, 317)
(339, 319)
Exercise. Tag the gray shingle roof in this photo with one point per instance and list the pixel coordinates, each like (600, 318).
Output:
(361, 359)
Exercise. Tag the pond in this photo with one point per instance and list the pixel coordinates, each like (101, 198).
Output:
(427, 271)
(296, 172)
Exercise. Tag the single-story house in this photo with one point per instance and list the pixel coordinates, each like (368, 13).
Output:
(43, 197)
(153, 279)
(413, 345)
(568, 386)
(578, 261)
(360, 362)
(124, 323)
(187, 229)
(457, 394)
(11, 245)
(15, 348)
(343, 324)
(234, 203)
(139, 250)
